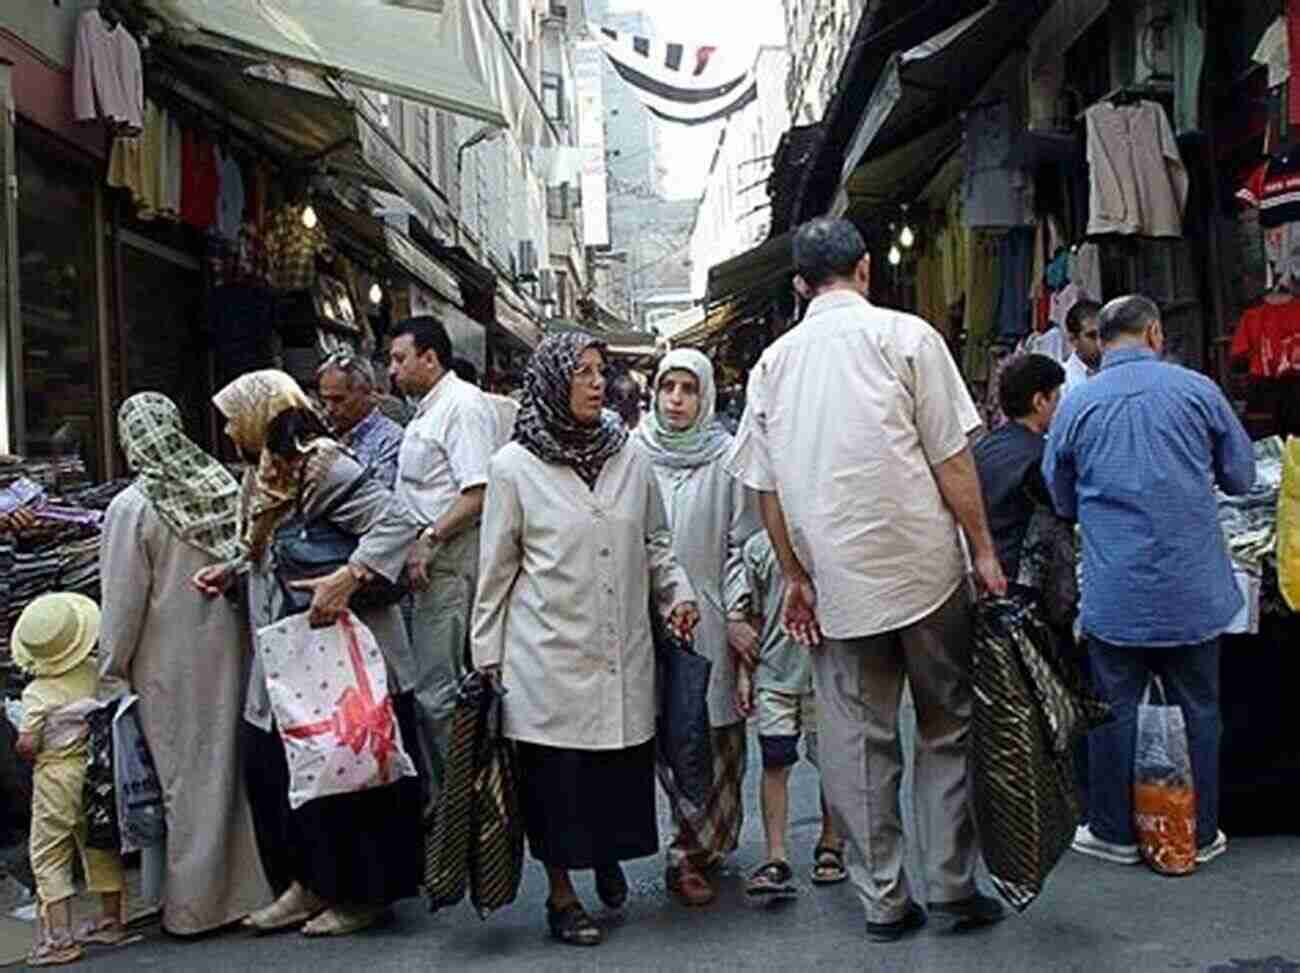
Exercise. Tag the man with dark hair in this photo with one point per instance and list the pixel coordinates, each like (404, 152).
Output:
(465, 370)
(1009, 460)
(1082, 322)
(442, 475)
(346, 383)
(855, 436)
(1133, 455)
(623, 395)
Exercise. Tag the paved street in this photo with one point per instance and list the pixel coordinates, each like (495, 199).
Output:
(1234, 914)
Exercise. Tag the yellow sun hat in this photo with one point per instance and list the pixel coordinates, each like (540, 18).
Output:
(55, 633)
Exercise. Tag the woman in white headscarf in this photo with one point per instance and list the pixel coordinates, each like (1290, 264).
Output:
(711, 515)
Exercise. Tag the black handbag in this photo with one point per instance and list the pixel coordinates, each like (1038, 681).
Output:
(683, 734)
(311, 547)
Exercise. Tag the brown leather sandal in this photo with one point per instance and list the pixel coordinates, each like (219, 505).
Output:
(689, 886)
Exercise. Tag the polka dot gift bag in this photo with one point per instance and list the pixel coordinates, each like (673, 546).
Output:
(329, 693)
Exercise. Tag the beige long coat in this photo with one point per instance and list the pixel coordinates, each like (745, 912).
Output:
(185, 657)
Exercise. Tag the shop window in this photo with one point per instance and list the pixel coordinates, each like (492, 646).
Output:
(58, 299)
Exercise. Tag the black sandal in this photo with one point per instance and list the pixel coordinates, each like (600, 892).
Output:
(828, 866)
(611, 885)
(773, 880)
(570, 924)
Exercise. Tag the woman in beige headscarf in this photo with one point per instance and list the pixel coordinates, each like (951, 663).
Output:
(339, 861)
(184, 656)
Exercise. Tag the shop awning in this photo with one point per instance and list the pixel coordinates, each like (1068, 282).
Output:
(628, 343)
(763, 269)
(365, 231)
(438, 58)
(517, 322)
(310, 129)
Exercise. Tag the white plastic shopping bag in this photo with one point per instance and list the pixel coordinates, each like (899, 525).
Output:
(140, 816)
(329, 694)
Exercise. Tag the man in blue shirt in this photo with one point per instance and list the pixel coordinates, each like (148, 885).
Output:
(1134, 456)
(347, 390)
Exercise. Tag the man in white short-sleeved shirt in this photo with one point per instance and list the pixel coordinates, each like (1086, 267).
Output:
(855, 435)
(441, 477)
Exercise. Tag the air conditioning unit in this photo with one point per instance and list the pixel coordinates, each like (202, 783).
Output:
(527, 263)
(546, 285)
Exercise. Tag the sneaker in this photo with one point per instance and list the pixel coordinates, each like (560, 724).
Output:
(1086, 843)
(973, 912)
(891, 932)
(1213, 850)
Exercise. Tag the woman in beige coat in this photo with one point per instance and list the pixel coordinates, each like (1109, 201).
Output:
(184, 656)
(574, 544)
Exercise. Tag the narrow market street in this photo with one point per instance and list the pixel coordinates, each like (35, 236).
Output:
(1235, 914)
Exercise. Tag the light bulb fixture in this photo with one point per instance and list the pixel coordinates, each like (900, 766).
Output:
(895, 256)
(309, 218)
(907, 237)
(376, 293)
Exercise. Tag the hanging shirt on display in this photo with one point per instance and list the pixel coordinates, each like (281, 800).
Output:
(107, 80)
(199, 181)
(292, 249)
(230, 197)
(1138, 181)
(1269, 336)
(1274, 51)
(994, 194)
(1279, 195)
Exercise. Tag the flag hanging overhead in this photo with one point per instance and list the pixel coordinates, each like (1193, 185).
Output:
(682, 83)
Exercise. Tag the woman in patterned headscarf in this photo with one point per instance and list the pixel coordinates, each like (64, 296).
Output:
(336, 862)
(183, 656)
(573, 544)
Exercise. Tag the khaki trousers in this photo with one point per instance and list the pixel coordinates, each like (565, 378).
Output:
(859, 685)
(440, 622)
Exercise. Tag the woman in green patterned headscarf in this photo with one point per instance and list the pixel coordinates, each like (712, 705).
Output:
(194, 494)
(184, 656)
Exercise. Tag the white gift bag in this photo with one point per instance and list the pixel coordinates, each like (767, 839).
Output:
(329, 694)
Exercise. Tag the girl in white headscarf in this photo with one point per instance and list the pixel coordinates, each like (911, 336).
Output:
(712, 515)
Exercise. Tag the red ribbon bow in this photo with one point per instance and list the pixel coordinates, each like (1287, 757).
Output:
(358, 719)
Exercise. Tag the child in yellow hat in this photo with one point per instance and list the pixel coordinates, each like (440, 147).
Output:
(53, 641)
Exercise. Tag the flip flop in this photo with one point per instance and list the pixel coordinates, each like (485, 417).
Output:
(102, 932)
(53, 953)
(772, 880)
(828, 866)
(273, 919)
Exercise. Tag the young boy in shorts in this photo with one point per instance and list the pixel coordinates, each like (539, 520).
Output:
(779, 695)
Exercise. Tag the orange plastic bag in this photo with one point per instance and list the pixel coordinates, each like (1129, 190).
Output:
(1164, 793)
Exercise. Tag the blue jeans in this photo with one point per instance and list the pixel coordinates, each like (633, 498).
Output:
(1190, 675)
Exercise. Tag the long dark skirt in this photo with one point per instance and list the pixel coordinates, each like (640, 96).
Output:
(586, 808)
(363, 849)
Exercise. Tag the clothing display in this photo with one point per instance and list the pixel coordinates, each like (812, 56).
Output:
(107, 78)
(292, 249)
(984, 270)
(994, 192)
(1274, 50)
(1279, 196)
(1015, 258)
(1085, 270)
(1139, 183)
(230, 196)
(200, 180)
(1268, 336)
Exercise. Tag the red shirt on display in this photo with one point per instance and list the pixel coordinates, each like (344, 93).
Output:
(1269, 335)
(200, 181)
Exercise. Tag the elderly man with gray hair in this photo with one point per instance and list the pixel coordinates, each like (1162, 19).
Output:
(346, 385)
(1134, 455)
(855, 436)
